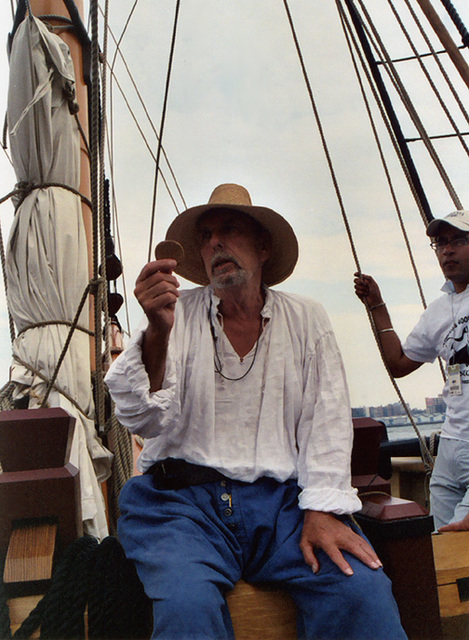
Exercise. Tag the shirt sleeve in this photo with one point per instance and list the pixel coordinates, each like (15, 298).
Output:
(325, 430)
(142, 412)
(418, 345)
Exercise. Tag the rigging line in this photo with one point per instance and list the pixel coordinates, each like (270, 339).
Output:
(350, 37)
(147, 144)
(323, 138)
(5, 287)
(428, 75)
(96, 198)
(119, 40)
(407, 102)
(391, 119)
(152, 127)
(115, 219)
(455, 17)
(424, 452)
(163, 118)
(437, 60)
(106, 356)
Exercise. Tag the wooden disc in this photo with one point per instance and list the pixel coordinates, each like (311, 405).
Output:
(169, 249)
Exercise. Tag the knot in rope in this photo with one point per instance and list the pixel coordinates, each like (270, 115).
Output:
(69, 94)
(96, 285)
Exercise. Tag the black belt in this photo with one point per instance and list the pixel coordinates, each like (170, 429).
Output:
(178, 474)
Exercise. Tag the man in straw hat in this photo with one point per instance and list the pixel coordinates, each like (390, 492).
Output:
(240, 394)
(442, 331)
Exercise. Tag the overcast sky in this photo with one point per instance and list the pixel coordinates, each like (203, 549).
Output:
(239, 111)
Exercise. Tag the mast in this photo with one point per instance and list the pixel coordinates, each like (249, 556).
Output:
(50, 263)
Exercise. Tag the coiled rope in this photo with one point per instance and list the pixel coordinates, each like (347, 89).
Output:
(91, 580)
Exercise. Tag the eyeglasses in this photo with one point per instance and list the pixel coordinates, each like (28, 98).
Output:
(456, 241)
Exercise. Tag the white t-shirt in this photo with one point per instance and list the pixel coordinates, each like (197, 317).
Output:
(443, 331)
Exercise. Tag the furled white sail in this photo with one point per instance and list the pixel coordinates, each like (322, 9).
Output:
(47, 263)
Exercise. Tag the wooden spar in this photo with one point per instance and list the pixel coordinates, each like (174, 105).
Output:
(445, 39)
(58, 8)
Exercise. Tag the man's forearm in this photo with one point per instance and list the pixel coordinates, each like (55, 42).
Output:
(154, 352)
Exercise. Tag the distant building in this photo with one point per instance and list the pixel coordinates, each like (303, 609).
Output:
(435, 405)
(360, 412)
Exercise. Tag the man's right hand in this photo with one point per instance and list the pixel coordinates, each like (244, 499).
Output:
(156, 289)
(367, 289)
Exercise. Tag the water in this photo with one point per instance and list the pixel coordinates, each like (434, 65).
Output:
(407, 431)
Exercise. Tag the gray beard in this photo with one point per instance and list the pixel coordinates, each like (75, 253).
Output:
(233, 279)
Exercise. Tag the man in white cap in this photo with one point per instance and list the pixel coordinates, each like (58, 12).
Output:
(442, 331)
(240, 394)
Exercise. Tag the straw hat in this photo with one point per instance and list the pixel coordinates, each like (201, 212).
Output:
(284, 253)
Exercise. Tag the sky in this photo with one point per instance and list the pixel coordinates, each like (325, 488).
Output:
(238, 111)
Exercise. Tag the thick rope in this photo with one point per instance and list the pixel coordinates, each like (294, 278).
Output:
(96, 209)
(93, 577)
(460, 26)
(162, 123)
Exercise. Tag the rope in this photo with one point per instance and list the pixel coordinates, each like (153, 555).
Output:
(140, 98)
(97, 185)
(11, 323)
(163, 118)
(406, 100)
(438, 62)
(56, 387)
(454, 15)
(97, 285)
(23, 189)
(94, 577)
(122, 466)
(426, 457)
(5, 624)
(426, 72)
(46, 323)
(351, 40)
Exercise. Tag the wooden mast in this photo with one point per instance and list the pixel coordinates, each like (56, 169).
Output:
(58, 8)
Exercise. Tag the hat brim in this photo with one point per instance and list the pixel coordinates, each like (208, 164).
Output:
(435, 225)
(277, 268)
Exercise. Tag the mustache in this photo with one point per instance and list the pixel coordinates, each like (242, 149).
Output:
(223, 256)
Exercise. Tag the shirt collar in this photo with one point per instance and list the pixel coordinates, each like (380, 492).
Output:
(211, 297)
(448, 287)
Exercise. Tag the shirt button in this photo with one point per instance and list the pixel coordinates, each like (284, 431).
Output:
(228, 512)
(223, 483)
(232, 526)
(225, 497)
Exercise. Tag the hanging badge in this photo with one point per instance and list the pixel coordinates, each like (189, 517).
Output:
(454, 380)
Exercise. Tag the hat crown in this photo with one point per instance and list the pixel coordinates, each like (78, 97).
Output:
(226, 194)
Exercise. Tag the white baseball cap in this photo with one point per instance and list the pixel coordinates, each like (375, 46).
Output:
(458, 219)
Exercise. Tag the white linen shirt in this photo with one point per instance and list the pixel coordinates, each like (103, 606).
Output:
(443, 330)
(289, 417)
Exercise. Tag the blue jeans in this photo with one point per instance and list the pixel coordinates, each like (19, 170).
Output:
(192, 545)
(449, 483)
